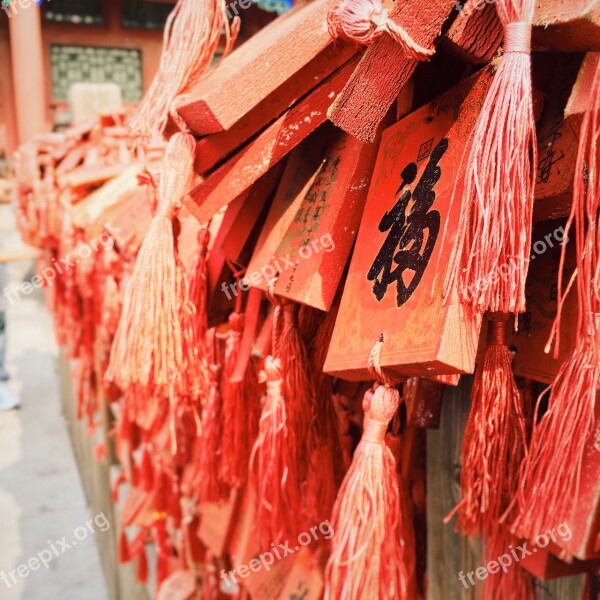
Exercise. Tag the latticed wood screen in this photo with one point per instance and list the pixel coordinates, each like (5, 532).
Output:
(95, 64)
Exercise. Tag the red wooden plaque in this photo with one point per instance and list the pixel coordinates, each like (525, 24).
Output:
(401, 256)
(311, 234)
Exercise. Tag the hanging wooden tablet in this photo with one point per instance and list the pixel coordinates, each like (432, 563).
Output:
(240, 239)
(108, 195)
(310, 236)
(213, 148)
(529, 342)
(128, 222)
(560, 477)
(558, 135)
(476, 34)
(386, 67)
(582, 88)
(567, 26)
(397, 269)
(271, 145)
(237, 225)
(265, 63)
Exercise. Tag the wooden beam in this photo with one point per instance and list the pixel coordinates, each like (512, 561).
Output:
(257, 68)
(476, 33)
(236, 175)
(384, 69)
(211, 149)
(572, 26)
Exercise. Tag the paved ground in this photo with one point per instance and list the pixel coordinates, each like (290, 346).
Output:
(41, 498)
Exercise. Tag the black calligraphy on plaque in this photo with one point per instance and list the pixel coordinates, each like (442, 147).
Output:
(549, 156)
(411, 238)
(315, 202)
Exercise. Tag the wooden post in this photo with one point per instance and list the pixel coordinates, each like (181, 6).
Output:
(28, 70)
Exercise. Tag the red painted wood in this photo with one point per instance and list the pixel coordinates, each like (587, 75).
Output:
(476, 33)
(90, 176)
(384, 70)
(129, 220)
(244, 226)
(236, 220)
(212, 149)
(423, 402)
(580, 94)
(251, 320)
(558, 138)
(543, 564)
(572, 26)
(423, 336)
(253, 71)
(267, 149)
(316, 228)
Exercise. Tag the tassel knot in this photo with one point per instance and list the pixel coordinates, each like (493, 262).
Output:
(496, 333)
(374, 431)
(191, 38)
(517, 37)
(363, 21)
(155, 344)
(272, 372)
(176, 175)
(381, 406)
(290, 315)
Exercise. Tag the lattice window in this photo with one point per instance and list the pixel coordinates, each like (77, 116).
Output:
(141, 14)
(94, 64)
(81, 12)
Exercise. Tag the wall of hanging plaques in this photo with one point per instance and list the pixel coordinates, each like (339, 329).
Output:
(95, 64)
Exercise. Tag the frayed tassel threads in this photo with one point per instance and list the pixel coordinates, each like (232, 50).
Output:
(550, 482)
(273, 464)
(499, 177)
(494, 443)
(367, 549)
(190, 43)
(155, 345)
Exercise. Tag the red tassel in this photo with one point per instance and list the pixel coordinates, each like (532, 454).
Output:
(155, 344)
(327, 467)
(297, 389)
(175, 504)
(496, 219)
(192, 35)
(363, 21)
(516, 583)
(142, 566)
(240, 409)
(551, 474)
(146, 471)
(493, 448)
(199, 284)
(367, 554)
(124, 552)
(494, 442)
(211, 488)
(273, 464)
(162, 569)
